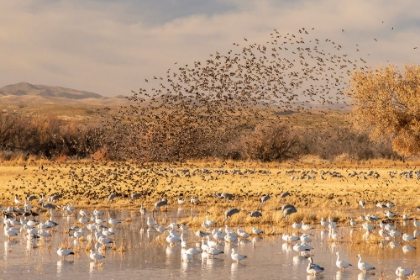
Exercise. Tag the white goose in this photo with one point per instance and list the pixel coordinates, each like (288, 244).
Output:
(95, 256)
(208, 223)
(340, 263)
(237, 257)
(403, 272)
(63, 253)
(256, 230)
(296, 225)
(305, 226)
(214, 251)
(324, 223)
(353, 223)
(313, 268)
(407, 237)
(362, 265)
(289, 238)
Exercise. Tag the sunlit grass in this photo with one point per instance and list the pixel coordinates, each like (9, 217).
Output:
(328, 198)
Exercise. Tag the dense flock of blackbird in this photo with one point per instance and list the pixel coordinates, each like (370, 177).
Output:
(248, 85)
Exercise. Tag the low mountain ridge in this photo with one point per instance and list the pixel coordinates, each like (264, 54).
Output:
(26, 93)
(22, 89)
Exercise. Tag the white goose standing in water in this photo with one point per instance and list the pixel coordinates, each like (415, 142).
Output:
(363, 266)
(340, 263)
(237, 257)
(403, 272)
(314, 268)
(95, 256)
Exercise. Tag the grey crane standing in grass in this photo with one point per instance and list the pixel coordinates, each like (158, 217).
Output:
(264, 199)
(48, 206)
(288, 209)
(227, 196)
(229, 213)
(135, 196)
(255, 214)
(284, 194)
(54, 198)
(160, 203)
(111, 197)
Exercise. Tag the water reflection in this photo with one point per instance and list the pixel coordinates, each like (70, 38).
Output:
(365, 275)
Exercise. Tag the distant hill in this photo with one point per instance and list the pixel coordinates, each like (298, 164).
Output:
(42, 94)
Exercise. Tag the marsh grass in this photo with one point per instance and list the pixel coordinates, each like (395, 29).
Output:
(413, 276)
(335, 198)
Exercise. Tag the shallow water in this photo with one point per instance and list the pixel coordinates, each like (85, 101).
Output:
(147, 255)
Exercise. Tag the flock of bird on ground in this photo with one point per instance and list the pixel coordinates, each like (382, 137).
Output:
(81, 181)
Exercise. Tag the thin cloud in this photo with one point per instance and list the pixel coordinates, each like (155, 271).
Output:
(110, 47)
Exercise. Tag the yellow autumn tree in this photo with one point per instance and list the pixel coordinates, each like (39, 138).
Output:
(387, 102)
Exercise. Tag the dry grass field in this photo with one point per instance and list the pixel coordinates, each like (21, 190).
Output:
(317, 188)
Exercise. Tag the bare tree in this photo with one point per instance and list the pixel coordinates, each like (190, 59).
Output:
(387, 101)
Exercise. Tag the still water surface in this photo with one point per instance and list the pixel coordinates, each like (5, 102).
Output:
(148, 256)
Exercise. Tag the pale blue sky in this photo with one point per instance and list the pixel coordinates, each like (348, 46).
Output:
(111, 46)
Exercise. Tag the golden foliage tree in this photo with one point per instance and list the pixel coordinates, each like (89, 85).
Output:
(387, 101)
